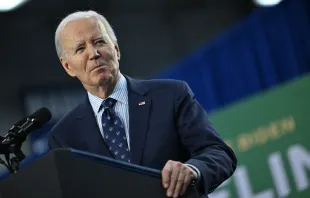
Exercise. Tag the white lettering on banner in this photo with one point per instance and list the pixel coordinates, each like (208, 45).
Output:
(220, 194)
(299, 159)
(244, 189)
(279, 175)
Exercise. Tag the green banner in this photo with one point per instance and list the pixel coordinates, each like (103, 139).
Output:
(270, 133)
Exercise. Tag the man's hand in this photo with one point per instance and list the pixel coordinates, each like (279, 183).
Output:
(176, 177)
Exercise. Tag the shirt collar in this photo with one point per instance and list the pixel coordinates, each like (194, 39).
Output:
(120, 93)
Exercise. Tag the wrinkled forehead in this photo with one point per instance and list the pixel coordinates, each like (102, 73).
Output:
(83, 30)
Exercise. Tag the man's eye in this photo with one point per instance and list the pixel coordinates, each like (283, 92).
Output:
(80, 49)
(100, 42)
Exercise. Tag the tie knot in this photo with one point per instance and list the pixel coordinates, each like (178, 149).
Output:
(109, 103)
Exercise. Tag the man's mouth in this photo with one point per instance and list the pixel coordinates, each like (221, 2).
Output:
(101, 66)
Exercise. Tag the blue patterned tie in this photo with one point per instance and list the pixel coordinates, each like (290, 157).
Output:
(114, 132)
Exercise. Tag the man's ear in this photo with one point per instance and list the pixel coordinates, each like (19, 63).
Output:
(118, 51)
(67, 67)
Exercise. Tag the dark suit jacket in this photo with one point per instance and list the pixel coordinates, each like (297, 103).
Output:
(170, 126)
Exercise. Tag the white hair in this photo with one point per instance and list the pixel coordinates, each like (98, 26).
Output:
(75, 16)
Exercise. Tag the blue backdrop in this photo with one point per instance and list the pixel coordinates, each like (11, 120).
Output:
(269, 47)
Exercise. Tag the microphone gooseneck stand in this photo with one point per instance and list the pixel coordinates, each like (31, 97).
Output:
(11, 145)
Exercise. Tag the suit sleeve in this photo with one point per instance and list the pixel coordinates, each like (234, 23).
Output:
(209, 154)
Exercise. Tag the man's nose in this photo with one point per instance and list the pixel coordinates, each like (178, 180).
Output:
(93, 53)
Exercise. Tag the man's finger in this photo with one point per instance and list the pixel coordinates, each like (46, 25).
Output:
(174, 178)
(166, 174)
(187, 180)
(180, 182)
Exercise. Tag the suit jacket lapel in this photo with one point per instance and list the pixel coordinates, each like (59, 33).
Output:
(89, 131)
(139, 112)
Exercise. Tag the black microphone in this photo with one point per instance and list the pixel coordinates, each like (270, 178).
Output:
(19, 131)
(16, 127)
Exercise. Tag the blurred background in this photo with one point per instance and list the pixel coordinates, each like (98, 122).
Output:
(247, 62)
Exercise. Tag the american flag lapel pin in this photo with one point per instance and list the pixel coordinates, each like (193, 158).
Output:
(141, 103)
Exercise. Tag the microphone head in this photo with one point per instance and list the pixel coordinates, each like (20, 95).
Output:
(41, 116)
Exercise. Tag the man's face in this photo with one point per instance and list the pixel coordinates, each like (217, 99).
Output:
(90, 54)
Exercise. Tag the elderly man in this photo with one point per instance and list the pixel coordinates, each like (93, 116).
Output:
(153, 123)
